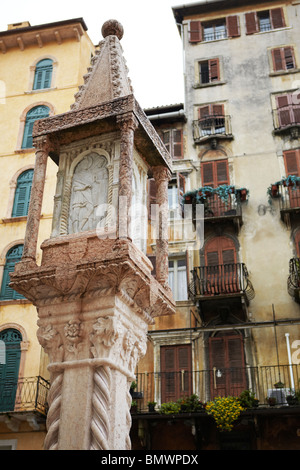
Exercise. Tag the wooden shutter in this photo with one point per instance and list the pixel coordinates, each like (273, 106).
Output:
(177, 143)
(277, 18)
(284, 110)
(283, 58)
(220, 250)
(291, 160)
(289, 58)
(9, 372)
(277, 59)
(251, 23)
(203, 112)
(233, 26)
(175, 371)
(214, 70)
(195, 31)
(215, 173)
(13, 256)
(212, 258)
(22, 194)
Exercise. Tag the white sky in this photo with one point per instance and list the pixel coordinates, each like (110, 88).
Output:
(151, 42)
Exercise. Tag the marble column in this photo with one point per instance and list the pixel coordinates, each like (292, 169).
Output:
(162, 176)
(127, 123)
(36, 199)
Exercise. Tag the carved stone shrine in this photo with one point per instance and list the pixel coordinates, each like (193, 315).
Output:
(94, 291)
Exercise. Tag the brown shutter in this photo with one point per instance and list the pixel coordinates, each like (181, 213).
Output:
(212, 258)
(207, 174)
(222, 172)
(195, 31)
(277, 18)
(291, 162)
(233, 26)
(175, 371)
(214, 71)
(277, 60)
(251, 23)
(218, 110)
(203, 112)
(228, 256)
(284, 110)
(177, 144)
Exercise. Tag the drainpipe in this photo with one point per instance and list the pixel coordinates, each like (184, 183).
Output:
(287, 336)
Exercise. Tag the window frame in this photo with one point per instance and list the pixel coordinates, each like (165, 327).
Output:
(172, 145)
(232, 28)
(28, 125)
(279, 59)
(27, 184)
(213, 71)
(252, 20)
(41, 75)
(8, 267)
(175, 269)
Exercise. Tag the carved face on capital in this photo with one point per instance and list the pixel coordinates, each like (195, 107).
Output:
(89, 194)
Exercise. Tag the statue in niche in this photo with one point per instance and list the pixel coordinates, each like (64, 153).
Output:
(89, 191)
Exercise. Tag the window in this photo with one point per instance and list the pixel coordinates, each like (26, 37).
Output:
(43, 74)
(13, 256)
(38, 112)
(292, 167)
(176, 189)
(176, 372)
(264, 20)
(283, 58)
(228, 27)
(9, 371)
(211, 119)
(288, 110)
(215, 173)
(22, 194)
(178, 278)
(173, 142)
(209, 71)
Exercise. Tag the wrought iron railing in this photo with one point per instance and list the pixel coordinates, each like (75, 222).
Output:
(220, 279)
(27, 394)
(289, 196)
(162, 387)
(214, 207)
(210, 126)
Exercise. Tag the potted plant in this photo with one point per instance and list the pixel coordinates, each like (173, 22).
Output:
(133, 393)
(225, 411)
(271, 401)
(247, 399)
(279, 385)
(291, 398)
(151, 406)
(133, 408)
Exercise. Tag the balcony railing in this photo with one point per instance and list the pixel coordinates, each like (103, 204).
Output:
(162, 387)
(28, 394)
(215, 207)
(222, 279)
(212, 126)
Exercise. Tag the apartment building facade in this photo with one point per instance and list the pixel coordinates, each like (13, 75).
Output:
(239, 326)
(41, 69)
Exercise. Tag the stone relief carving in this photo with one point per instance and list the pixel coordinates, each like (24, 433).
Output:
(89, 191)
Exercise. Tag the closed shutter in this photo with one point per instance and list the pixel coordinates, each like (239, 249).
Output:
(291, 159)
(233, 26)
(175, 372)
(195, 31)
(284, 110)
(22, 194)
(9, 371)
(277, 60)
(43, 74)
(215, 173)
(38, 112)
(251, 23)
(13, 256)
(177, 144)
(277, 18)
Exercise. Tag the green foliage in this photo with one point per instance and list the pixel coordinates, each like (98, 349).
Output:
(247, 399)
(225, 411)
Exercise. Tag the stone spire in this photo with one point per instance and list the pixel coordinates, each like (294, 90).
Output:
(107, 77)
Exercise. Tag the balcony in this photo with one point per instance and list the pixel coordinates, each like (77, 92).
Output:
(212, 127)
(162, 387)
(287, 192)
(222, 204)
(287, 120)
(28, 394)
(294, 279)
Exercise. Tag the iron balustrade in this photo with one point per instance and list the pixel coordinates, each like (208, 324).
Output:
(289, 196)
(220, 279)
(294, 278)
(210, 383)
(211, 126)
(214, 206)
(27, 394)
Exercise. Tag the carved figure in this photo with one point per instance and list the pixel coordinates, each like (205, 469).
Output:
(89, 191)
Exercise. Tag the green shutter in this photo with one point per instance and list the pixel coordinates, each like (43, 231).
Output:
(22, 194)
(38, 112)
(43, 74)
(9, 371)
(13, 256)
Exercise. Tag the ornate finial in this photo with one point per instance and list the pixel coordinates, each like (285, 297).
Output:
(112, 28)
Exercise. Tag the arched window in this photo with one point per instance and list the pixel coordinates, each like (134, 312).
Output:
(22, 194)
(9, 370)
(13, 256)
(43, 74)
(38, 112)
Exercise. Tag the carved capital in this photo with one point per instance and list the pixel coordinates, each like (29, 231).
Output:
(127, 121)
(161, 173)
